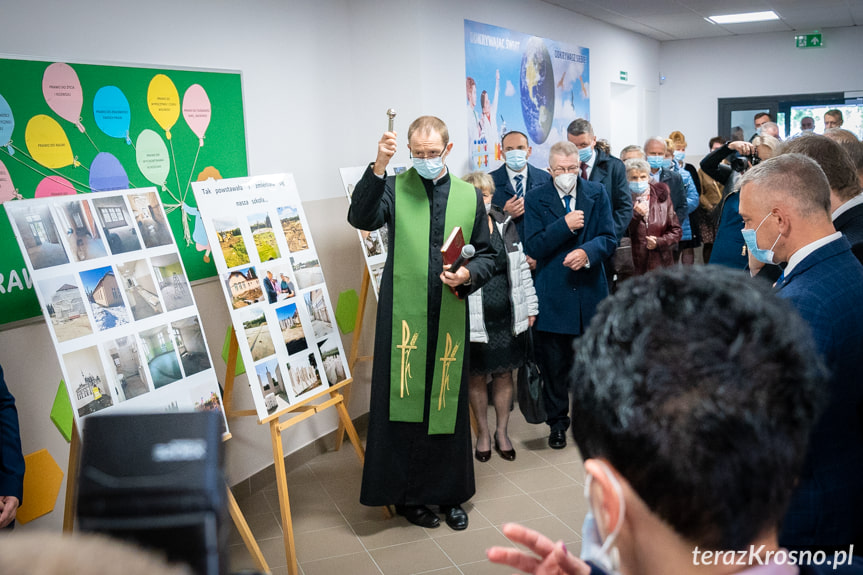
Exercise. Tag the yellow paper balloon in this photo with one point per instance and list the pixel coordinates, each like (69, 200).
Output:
(47, 142)
(164, 102)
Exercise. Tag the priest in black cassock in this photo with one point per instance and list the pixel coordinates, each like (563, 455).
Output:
(418, 450)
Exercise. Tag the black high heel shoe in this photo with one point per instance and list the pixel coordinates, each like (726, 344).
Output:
(509, 454)
(481, 456)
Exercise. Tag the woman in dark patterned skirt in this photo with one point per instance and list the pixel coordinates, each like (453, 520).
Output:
(500, 314)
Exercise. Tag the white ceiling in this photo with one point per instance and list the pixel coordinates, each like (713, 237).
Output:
(684, 19)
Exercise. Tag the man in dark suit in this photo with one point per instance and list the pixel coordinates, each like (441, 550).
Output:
(11, 458)
(570, 232)
(598, 166)
(515, 179)
(655, 149)
(786, 201)
(846, 201)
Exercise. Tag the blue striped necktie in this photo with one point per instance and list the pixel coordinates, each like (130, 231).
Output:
(519, 187)
(568, 199)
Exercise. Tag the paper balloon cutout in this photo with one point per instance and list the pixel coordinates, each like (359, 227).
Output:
(164, 102)
(54, 186)
(7, 188)
(112, 112)
(151, 153)
(47, 142)
(197, 110)
(7, 124)
(106, 173)
(63, 93)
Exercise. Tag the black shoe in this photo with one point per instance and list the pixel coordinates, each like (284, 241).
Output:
(509, 454)
(419, 515)
(456, 517)
(557, 439)
(482, 456)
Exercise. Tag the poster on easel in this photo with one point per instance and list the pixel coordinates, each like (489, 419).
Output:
(373, 242)
(118, 302)
(274, 286)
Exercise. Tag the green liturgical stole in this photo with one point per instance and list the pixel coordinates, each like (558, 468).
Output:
(410, 302)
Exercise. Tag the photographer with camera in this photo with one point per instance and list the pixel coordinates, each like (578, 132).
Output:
(725, 165)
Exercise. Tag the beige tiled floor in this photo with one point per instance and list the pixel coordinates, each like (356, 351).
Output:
(334, 534)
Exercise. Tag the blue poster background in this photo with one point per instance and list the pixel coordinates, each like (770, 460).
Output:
(531, 84)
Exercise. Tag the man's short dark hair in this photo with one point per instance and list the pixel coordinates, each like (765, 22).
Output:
(511, 132)
(578, 127)
(836, 114)
(700, 387)
(760, 115)
(713, 141)
(837, 165)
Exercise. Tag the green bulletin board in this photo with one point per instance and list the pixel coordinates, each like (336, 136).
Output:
(126, 113)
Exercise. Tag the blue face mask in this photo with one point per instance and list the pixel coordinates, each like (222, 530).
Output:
(655, 161)
(751, 239)
(584, 154)
(638, 187)
(428, 168)
(516, 159)
(667, 163)
(604, 554)
(758, 131)
(679, 156)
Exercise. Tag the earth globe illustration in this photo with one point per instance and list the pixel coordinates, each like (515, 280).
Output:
(537, 90)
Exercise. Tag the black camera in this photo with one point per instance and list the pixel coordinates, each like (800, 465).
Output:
(741, 163)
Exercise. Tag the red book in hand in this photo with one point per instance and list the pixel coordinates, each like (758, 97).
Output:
(451, 249)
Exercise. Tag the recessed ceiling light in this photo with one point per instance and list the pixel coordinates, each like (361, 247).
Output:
(746, 17)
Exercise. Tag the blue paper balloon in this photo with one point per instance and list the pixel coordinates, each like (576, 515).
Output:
(111, 109)
(7, 122)
(106, 173)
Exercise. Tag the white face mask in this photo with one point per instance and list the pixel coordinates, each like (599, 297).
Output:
(593, 548)
(565, 182)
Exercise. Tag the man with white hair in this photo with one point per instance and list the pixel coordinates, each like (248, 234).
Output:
(569, 231)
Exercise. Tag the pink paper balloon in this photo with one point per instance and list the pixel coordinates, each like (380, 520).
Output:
(54, 186)
(63, 93)
(197, 110)
(7, 188)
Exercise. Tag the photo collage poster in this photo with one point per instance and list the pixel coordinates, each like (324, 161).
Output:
(515, 81)
(273, 283)
(117, 301)
(374, 242)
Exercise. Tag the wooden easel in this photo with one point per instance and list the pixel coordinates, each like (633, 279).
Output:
(354, 357)
(295, 414)
(233, 508)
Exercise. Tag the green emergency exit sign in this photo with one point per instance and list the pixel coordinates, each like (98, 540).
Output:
(809, 40)
(624, 76)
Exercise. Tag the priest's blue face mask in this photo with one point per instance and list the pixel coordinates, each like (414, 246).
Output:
(429, 167)
(751, 239)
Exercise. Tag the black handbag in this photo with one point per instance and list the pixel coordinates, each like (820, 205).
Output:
(529, 390)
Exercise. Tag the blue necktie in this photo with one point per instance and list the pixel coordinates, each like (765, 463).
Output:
(519, 187)
(568, 199)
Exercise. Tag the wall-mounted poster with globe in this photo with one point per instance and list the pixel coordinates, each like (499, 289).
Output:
(520, 82)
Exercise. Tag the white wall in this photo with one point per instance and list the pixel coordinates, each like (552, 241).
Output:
(317, 80)
(698, 72)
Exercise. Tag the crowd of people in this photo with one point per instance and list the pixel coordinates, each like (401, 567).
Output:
(719, 405)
